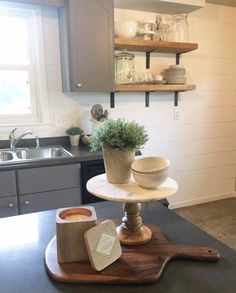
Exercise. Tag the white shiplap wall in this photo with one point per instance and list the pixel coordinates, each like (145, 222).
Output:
(202, 144)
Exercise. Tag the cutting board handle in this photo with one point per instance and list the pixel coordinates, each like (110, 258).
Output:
(195, 252)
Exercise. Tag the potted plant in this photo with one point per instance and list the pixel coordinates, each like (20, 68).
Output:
(74, 132)
(119, 139)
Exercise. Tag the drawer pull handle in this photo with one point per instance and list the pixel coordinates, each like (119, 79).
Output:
(79, 85)
(27, 202)
(10, 205)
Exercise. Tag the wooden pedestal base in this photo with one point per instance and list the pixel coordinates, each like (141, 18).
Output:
(142, 264)
(132, 231)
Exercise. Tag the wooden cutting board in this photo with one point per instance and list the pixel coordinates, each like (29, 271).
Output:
(142, 264)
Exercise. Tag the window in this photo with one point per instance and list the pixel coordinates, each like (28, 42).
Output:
(22, 70)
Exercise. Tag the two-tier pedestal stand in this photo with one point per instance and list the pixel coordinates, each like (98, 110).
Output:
(138, 264)
(131, 231)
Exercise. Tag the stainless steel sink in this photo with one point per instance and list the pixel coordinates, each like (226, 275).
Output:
(5, 156)
(32, 154)
(42, 153)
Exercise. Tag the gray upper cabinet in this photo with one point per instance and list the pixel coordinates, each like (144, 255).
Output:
(87, 45)
(162, 6)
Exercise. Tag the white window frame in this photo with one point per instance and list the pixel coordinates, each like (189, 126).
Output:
(36, 69)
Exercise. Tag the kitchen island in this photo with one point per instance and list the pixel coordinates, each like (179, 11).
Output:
(25, 238)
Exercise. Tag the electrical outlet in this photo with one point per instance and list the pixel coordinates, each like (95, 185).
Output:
(58, 120)
(176, 113)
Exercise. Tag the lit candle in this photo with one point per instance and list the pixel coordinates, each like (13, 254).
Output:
(74, 217)
(71, 224)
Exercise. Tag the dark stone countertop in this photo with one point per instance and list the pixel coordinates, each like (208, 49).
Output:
(79, 154)
(25, 238)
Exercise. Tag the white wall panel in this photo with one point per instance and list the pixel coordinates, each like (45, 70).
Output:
(202, 143)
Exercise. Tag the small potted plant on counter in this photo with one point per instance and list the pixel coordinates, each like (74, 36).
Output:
(119, 139)
(74, 132)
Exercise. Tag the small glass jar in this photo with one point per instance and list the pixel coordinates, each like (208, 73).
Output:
(124, 67)
(180, 27)
(146, 29)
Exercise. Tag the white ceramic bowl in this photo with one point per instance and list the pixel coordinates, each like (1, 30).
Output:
(150, 181)
(176, 66)
(126, 29)
(151, 165)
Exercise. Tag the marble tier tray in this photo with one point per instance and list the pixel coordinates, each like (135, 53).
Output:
(131, 231)
(129, 192)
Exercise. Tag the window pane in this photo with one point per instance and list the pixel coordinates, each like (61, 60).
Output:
(14, 92)
(14, 40)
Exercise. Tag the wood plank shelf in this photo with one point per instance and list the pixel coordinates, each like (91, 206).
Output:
(140, 45)
(154, 87)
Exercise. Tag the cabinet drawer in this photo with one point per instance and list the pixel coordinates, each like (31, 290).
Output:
(7, 183)
(48, 178)
(36, 202)
(8, 206)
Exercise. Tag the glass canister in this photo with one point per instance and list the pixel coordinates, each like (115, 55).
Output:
(124, 67)
(180, 28)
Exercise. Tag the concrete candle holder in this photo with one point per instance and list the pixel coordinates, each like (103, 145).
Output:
(71, 224)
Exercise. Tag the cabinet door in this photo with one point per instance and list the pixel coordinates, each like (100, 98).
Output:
(90, 45)
(48, 178)
(162, 6)
(8, 206)
(7, 183)
(36, 202)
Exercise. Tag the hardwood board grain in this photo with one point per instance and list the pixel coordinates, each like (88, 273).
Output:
(141, 264)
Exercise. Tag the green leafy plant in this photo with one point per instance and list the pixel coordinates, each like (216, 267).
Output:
(120, 134)
(74, 130)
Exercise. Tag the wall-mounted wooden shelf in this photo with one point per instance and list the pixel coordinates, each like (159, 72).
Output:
(154, 46)
(154, 87)
(148, 47)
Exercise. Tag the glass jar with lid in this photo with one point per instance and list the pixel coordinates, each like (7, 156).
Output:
(124, 67)
(179, 28)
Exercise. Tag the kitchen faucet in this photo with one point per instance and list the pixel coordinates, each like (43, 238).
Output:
(37, 142)
(13, 140)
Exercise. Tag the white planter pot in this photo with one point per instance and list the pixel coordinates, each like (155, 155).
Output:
(118, 165)
(74, 140)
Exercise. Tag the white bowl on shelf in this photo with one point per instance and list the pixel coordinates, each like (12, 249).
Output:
(126, 29)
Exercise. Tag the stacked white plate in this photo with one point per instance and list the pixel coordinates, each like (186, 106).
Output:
(175, 74)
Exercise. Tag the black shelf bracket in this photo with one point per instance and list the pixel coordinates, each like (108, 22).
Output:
(112, 99)
(147, 60)
(176, 100)
(147, 99)
(177, 58)
(147, 67)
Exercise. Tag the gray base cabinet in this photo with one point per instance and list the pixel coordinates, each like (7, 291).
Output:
(8, 206)
(38, 189)
(8, 194)
(36, 202)
(46, 188)
(48, 178)
(7, 183)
